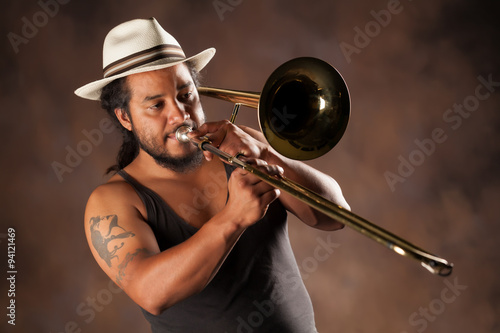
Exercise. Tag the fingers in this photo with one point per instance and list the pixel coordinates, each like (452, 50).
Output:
(228, 138)
(248, 178)
(209, 127)
(262, 165)
(271, 195)
(250, 194)
(259, 188)
(215, 131)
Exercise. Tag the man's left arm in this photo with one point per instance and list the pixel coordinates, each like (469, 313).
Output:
(310, 178)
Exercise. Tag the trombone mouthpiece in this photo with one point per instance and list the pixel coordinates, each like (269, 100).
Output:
(181, 134)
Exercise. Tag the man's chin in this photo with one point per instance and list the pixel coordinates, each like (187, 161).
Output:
(180, 164)
(181, 158)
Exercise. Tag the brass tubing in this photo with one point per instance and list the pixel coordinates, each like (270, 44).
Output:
(432, 263)
(247, 98)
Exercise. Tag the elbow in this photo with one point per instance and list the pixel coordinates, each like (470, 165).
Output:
(152, 300)
(153, 306)
(155, 311)
(346, 206)
(323, 221)
(156, 305)
(328, 225)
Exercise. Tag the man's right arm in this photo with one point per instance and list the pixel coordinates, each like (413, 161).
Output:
(126, 249)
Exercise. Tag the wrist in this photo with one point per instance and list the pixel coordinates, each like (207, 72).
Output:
(228, 223)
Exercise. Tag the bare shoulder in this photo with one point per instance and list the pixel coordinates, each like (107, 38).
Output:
(115, 192)
(116, 228)
(114, 199)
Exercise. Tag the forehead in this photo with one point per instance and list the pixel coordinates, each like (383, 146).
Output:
(162, 79)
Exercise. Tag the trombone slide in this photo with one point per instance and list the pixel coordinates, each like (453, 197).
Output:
(432, 263)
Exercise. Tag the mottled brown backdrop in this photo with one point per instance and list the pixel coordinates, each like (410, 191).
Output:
(407, 72)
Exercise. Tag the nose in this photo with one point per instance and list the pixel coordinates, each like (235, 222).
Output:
(177, 114)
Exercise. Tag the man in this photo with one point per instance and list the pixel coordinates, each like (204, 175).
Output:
(200, 247)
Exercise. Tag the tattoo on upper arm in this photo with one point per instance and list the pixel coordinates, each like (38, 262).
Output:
(103, 230)
(128, 258)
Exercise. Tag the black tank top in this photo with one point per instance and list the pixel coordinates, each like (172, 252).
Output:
(257, 289)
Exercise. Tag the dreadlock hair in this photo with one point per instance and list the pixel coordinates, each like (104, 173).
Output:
(116, 95)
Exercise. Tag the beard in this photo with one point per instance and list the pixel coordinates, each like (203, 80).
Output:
(183, 164)
(179, 164)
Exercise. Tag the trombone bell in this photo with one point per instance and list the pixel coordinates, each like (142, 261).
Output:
(303, 108)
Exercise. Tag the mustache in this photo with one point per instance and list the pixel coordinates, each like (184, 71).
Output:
(191, 124)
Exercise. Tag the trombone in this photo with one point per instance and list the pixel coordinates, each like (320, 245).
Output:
(303, 112)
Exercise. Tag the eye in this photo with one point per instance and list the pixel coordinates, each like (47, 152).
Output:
(156, 106)
(187, 95)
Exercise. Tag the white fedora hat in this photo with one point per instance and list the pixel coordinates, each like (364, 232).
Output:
(137, 46)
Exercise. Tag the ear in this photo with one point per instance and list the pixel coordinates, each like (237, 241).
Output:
(123, 118)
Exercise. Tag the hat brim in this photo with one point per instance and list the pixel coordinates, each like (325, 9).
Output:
(92, 90)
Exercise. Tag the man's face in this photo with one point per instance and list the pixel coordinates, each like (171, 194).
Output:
(161, 101)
